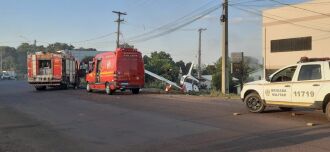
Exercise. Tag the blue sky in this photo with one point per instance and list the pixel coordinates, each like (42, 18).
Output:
(71, 21)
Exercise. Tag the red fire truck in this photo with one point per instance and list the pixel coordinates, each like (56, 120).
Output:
(119, 70)
(52, 70)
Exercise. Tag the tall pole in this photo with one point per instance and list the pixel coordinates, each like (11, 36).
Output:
(35, 45)
(224, 74)
(199, 71)
(119, 20)
(1, 61)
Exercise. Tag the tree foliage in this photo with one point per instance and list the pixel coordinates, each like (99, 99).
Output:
(86, 49)
(126, 45)
(184, 66)
(162, 64)
(9, 57)
(15, 58)
(59, 46)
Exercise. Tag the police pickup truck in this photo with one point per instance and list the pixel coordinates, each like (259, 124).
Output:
(305, 84)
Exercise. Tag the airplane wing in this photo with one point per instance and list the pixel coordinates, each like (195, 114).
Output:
(161, 78)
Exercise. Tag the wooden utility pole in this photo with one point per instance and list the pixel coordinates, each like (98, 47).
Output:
(225, 69)
(199, 71)
(119, 20)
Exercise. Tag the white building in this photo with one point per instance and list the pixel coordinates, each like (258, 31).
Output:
(296, 31)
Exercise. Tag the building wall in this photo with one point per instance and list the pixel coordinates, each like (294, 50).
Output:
(288, 22)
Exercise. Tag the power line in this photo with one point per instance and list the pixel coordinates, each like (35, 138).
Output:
(243, 2)
(293, 6)
(277, 16)
(96, 38)
(259, 5)
(150, 27)
(178, 26)
(285, 21)
(175, 22)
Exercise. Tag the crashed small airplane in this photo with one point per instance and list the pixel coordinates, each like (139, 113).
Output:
(188, 83)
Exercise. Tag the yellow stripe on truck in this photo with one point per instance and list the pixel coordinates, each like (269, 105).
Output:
(107, 73)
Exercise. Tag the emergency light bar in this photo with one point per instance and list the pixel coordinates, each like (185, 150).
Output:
(306, 59)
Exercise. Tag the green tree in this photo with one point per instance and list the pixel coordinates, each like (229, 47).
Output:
(216, 77)
(250, 64)
(184, 67)
(209, 70)
(146, 59)
(9, 55)
(86, 49)
(58, 46)
(162, 64)
(126, 45)
(22, 51)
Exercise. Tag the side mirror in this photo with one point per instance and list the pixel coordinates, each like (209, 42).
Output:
(268, 79)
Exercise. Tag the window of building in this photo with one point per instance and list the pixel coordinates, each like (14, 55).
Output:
(310, 72)
(292, 44)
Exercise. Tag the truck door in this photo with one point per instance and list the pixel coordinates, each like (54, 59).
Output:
(57, 67)
(278, 91)
(307, 85)
(29, 65)
(98, 70)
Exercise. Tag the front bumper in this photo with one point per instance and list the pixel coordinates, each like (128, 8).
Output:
(45, 83)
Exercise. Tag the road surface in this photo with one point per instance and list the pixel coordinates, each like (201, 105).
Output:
(74, 120)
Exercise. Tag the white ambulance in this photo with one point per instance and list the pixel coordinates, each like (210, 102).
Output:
(305, 84)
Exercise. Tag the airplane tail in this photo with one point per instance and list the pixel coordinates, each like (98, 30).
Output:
(190, 70)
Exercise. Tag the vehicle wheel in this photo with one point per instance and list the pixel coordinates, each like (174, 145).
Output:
(136, 90)
(286, 108)
(88, 88)
(40, 88)
(108, 89)
(254, 103)
(327, 111)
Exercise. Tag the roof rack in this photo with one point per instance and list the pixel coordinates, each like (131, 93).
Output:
(306, 59)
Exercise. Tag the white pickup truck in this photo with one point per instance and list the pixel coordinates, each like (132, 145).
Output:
(305, 84)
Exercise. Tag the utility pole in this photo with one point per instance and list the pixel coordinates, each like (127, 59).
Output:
(225, 70)
(35, 45)
(199, 71)
(119, 20)
(1, 61)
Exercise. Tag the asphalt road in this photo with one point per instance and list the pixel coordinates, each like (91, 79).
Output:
(74, 120)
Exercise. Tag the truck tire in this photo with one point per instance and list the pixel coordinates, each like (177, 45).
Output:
(108, 89)
(40, 88)
(136, 90)
(88, 88)
(285, 108)
(254, 103)
(327, 111)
